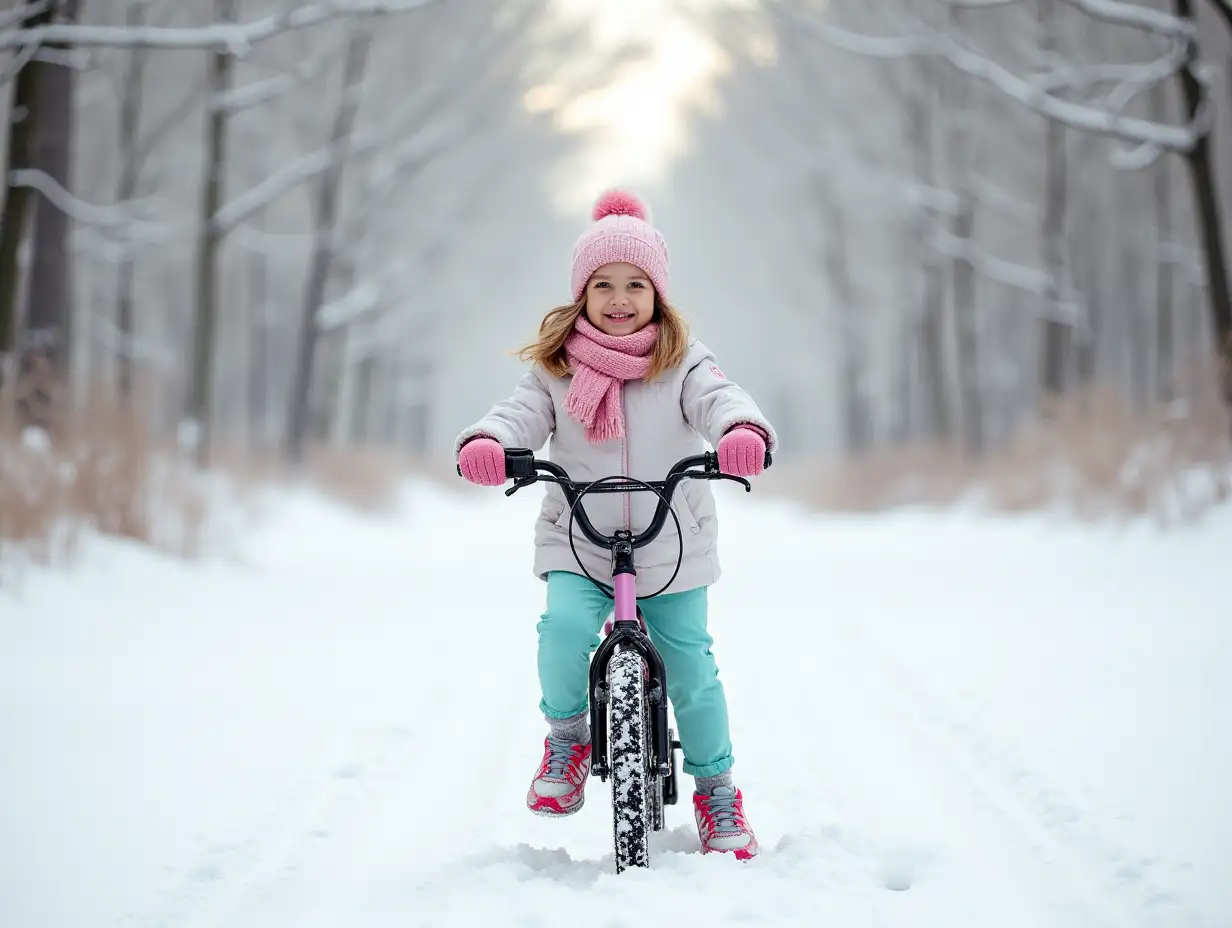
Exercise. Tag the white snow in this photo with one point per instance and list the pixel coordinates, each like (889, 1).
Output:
(939, 719)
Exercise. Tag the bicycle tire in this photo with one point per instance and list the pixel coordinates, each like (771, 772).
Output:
(628, 747)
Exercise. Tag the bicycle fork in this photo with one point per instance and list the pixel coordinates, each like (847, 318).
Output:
(627, 632)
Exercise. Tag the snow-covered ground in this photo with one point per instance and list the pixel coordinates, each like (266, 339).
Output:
(939, 720)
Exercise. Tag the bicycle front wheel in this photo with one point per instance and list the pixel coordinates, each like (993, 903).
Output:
(628, 747)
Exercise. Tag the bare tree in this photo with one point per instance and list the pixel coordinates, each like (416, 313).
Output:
(1055, 335)
(45, 337)
(23, 138)
(325, 212)
(198, 407)
(1206, 192)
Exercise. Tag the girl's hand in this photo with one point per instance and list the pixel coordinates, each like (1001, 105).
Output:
(482, 461)
(742, 451)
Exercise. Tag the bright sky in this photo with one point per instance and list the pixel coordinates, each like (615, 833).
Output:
(634, 122)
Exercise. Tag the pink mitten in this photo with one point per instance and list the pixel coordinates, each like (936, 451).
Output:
(742, 452)
(482, 461)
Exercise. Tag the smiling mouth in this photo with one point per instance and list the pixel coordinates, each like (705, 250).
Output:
(619, 317)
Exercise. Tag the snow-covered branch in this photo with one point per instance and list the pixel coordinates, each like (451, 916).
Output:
(1028, 92)
(298, 172)
(270, 244)
(350, 307)
(926, 196)
(423, 144)
(1010, 274)
(239, 99)
(406, 161)
(871, 46)
(1148, 76)
(20, 60)
(260, 92)
(1137, 16)
(1135, 159)
(988, 193)
(235, 38)
(110, 216)
(1074, 115)
(10, 18)
(1130, 78)
(1185, 257)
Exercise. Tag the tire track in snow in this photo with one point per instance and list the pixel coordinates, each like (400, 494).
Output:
(231, 874)
(1057, 836)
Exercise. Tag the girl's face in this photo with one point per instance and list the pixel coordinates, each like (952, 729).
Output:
(620, 299)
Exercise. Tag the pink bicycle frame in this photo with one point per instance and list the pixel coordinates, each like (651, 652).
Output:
(625, 593)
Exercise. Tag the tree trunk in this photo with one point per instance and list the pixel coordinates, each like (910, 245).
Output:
(1055, 335)
(932, 347)
(325, 216)
(361, 413)
(260, 361)
(209, 245)
(341, 431)
(1165, 385)
(44, 345)
(966, 323)
(1137, 343)
(23, 139)
(932, 309)
(126, 189)
(1206, 193)
(856, 417)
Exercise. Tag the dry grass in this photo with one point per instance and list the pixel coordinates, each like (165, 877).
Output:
(102, 471)
(99, 470)
(365, 479)
(1090, 457)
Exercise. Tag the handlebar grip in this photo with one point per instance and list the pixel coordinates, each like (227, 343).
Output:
(519, 463)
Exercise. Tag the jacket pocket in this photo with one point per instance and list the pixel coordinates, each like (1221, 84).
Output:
(684, 509)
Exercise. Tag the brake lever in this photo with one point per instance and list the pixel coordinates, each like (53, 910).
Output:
(718, 475)
(748, 487)
(521, 483)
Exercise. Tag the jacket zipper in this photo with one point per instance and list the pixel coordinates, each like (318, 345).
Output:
(624, 456)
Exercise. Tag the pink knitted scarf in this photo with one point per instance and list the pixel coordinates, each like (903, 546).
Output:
(601, 364)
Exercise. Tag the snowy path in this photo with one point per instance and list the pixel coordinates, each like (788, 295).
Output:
(938, 721)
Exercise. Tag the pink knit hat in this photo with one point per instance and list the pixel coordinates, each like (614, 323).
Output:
(621, 232)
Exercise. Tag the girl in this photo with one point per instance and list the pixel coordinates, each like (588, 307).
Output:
(621, 388)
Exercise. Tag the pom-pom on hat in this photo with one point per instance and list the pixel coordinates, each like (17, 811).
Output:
(621, 232)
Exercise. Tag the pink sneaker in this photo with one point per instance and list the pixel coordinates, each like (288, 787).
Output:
(721, 824)
(559, 788)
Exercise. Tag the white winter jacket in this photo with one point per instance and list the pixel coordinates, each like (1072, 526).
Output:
(665, 420)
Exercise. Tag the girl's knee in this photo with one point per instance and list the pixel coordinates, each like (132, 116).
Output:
(566, 631)
(691, 678)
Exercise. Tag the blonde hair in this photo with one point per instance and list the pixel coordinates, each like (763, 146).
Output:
(557, 325)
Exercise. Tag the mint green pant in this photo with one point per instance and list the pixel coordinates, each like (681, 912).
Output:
(569, 632)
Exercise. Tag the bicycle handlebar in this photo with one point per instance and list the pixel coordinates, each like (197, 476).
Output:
(525, 469)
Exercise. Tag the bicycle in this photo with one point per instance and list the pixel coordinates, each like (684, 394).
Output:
(628, 680)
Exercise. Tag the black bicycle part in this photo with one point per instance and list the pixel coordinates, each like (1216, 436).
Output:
(670, 783)
(622, 542)
(629, 634)
(525, 469)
